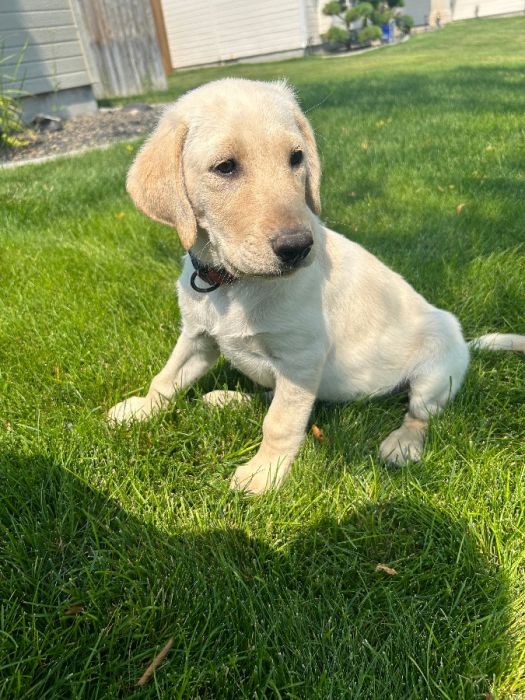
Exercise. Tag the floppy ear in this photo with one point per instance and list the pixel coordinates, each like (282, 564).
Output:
(313, 165)
(156, 181)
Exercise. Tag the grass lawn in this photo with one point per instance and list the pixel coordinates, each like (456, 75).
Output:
(114, 541)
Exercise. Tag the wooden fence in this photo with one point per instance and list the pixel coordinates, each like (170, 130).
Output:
(122, 41)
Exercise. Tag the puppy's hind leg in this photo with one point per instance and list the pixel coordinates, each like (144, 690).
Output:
(406, 443)
(224, 397)
(434, 385)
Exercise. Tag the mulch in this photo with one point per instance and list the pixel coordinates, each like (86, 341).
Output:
(85, 132)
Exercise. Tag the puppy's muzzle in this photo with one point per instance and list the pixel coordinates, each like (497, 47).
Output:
(292, 246)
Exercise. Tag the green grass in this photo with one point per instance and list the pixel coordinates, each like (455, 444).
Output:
(271, 597)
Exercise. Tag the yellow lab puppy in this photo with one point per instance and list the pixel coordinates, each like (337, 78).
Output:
(296, 307)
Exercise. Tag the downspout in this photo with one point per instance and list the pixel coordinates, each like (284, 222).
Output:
(303, 23)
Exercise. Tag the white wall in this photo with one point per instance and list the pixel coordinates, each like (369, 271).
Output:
(422, 10)
(466, 9)
(211, 31)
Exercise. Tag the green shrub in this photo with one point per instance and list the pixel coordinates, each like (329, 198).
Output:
(364, 9)
(336, 35)
(380, 17)
(368, 34)
(332, 8)
(405, 23)
(10, 111)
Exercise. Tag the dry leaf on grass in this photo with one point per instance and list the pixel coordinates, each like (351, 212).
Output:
(387, 569)
(75, 609)
(157, 660)
(318, 433)
(460, 208)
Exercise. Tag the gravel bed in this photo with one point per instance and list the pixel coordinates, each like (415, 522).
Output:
(88, 131)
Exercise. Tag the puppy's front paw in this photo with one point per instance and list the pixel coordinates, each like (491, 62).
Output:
(259, 475)
(402, 446)
(135, 408)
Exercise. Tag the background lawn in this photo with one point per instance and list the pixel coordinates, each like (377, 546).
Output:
(113, 541)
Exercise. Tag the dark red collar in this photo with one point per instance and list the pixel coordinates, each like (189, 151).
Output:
(214, 276)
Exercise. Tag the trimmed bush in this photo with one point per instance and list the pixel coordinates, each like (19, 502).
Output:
(405, 23)
(372, 16)
(368, 34)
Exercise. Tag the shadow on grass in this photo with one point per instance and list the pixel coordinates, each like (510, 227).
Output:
(438, 233)
(311, 618)
(465, 89)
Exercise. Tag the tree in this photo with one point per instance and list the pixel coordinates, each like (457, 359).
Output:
(371, 16)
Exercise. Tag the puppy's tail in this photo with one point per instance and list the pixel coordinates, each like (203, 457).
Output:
(499, 341)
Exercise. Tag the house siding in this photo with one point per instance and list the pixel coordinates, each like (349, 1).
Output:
(216, 31)
(466, 9)
(45, 32)
(425, 11)
(419, 9)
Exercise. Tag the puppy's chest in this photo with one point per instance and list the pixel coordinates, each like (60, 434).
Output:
(241, 349)
(245, 338)
(250, 354)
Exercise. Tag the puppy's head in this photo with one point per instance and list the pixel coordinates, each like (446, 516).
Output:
(234, 168)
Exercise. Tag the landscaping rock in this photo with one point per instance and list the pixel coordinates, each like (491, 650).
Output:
(51, 136)
(46, 122)
(136, 107)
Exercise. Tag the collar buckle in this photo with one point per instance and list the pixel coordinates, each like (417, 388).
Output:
(214, 276)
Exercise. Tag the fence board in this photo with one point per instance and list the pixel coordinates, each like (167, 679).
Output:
(121, 46)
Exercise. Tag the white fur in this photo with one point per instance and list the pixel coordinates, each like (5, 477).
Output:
(499, 341)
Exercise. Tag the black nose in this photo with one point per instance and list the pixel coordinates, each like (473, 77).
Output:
(292, 246)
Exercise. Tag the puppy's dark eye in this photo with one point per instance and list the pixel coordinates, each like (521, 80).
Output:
(227, 167)
(296, 158)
